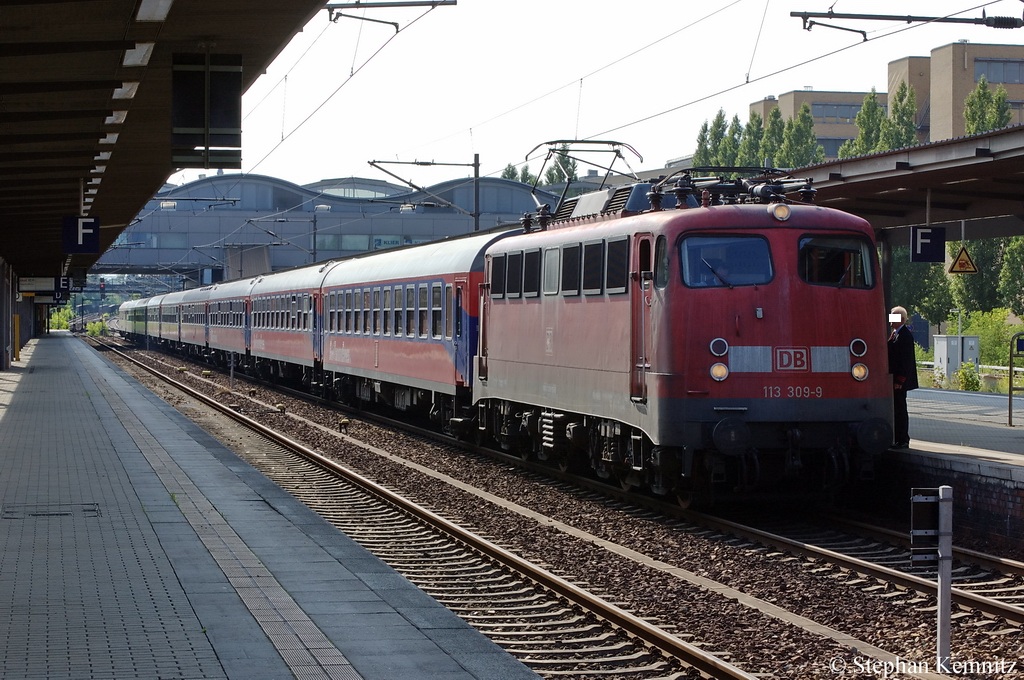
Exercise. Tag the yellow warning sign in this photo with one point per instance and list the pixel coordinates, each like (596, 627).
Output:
(962, 263)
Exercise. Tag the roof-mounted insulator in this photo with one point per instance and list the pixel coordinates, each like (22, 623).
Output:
(655, 196)
(543, 216)
(807, 193)
(705, 199)
(527, 221)
(683, 189)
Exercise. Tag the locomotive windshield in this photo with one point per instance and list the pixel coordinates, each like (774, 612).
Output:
(725, 261)
(836, 261)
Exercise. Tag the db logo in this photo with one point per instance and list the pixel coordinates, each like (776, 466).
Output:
(792, 359)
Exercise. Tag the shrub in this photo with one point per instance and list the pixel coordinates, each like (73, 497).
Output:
(96, 328)
(967, 378)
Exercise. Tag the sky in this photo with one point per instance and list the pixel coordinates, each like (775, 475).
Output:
(500, 77)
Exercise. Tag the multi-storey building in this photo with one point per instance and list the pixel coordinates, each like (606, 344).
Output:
(941, 83)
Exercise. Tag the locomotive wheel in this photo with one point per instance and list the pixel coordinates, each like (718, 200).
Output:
(686, 497)
(628, 479)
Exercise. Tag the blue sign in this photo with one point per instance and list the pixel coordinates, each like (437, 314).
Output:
(927, 244)
(81, 235)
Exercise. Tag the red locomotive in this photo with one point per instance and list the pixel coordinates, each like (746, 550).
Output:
(694, 336)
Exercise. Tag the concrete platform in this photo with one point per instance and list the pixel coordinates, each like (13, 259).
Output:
(133, 545)
(961, 439)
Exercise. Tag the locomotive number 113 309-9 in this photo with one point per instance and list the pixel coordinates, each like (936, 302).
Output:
(793, 392)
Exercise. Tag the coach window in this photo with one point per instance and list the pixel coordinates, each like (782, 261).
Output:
(410, 311)
(399, 310)
(367, 311)
(436, 310)
(571, 266)
(551, 262)
(531, 273)
(514, 275)
(387, 311)
(498, 266)
(376, 311)
(357, 311)
(593, 267)
(616, 270)
(345, 300)
(424, 308)
(844, 262)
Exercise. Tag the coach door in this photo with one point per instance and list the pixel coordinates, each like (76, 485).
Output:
(640, 280)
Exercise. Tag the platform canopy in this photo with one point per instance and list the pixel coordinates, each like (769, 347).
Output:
(86, 107)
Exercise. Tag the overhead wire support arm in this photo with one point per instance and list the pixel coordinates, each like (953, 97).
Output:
(991, 22)
(476, 184)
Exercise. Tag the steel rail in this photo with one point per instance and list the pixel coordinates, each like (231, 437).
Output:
(963, 598)
(652, 635)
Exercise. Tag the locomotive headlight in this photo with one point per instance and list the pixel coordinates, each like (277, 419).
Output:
(858, 347)
(719, 371)
(780, 211)
(859, 372)
(719, 347)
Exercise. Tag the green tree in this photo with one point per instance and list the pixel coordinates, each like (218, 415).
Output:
(985, 111)
(716, 133)
(921, 287)
(510, 172)
(899, 129)
(60, 317)
(869, 125)
(702, 155)
(730, 144)
(771, 142)
(749, 152)
(1011, 276)
(562, 167)
(978, 292)
(993, 335)
(799, 144)
(525, 176)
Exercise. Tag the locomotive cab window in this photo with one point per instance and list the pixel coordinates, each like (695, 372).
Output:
(844, 262)
(725, 261)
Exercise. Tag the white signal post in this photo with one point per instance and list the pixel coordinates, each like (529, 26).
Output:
(945, 576)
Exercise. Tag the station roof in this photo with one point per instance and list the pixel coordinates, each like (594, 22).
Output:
(62, 65)
(978, 179)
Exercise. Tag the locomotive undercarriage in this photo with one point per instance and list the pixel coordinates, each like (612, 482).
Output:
(769, 458)
(611, 450)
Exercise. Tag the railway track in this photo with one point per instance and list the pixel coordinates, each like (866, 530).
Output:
(910, 595)
(555, 627)
(981, 582)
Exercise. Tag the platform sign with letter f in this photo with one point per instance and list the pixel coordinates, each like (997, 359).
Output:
(927, 244)
(81, 234)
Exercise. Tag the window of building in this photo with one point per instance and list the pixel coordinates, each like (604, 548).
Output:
(1007, 71)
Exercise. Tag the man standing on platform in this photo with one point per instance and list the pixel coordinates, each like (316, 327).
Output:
(903, 366)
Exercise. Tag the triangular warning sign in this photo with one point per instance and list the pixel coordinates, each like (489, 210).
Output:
(962, 263)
